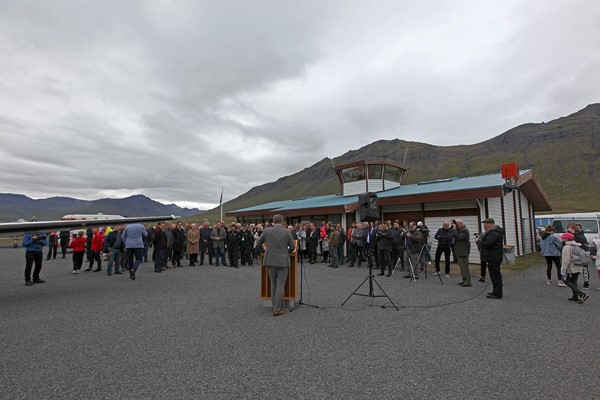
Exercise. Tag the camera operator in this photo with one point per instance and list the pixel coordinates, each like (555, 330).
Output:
(397, 245)
(425, 241)
(414, 242)
(384, 247)
(34, 246)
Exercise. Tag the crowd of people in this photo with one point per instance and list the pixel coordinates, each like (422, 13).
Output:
(571, 255)
(386, 246)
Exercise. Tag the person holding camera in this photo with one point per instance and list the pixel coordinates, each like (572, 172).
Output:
(34, 246)
(384, 247)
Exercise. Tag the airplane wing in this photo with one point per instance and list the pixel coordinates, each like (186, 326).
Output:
(44, 226)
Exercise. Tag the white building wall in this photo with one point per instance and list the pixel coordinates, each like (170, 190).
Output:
(375, 185)
(494, 211)
(355, 188)
(471, 221)
(390, 184)
(526, 224)
(511, 225)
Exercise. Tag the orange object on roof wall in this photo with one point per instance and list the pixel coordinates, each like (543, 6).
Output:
(510, 170)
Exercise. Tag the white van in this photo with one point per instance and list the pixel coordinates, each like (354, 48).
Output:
(590, 222)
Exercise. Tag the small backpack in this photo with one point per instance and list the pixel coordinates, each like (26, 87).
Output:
(580, 257)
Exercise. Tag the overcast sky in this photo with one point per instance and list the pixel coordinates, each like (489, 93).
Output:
(174, 99)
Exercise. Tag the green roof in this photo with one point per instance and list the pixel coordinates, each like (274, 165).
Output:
(436, 186)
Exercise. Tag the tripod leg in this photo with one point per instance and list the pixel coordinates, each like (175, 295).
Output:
(385, 294)
(356, 290)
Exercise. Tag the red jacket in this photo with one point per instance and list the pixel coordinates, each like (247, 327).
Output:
(78, 244)
(97, 241)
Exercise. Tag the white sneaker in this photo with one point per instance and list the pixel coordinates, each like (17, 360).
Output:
(549, 282)
(561, 284)
(447, 276)
(74, 271)
(436, 273)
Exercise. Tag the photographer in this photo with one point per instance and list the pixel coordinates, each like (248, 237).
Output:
(34, 245)
(413, 244)
(384, 241)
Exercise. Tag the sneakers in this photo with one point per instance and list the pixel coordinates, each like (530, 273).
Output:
(436, 273)
(38, 281)
(28, 283)
(447, 275)
(561, 284)
(74, 271)
(586, 286)
(549, 282)
(583, 298)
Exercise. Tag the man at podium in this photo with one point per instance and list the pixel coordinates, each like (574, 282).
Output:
(279, 243)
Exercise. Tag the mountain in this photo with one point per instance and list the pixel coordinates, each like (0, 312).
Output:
(15, 206)
(564, 154)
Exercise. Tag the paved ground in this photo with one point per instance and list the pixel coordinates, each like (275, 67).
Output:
(202, 333)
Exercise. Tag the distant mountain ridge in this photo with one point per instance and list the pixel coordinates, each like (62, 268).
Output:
(15, 206)
(564, 155)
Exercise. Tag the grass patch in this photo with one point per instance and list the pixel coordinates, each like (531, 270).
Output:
(526, 262)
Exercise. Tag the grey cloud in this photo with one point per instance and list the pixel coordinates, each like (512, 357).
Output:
(181, 98)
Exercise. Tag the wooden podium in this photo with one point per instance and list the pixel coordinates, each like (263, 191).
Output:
(291, 284)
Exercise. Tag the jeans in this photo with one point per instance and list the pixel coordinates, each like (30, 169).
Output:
(571, 282)
(219, 255)
(115, 259)
(96, 256)
(159, 257)
(136, 254)
(33, 257)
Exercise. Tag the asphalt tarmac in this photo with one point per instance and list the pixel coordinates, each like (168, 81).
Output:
(203, 333)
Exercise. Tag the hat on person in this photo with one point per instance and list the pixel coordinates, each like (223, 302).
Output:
(489, 221)
(419, 223)
(568, 236)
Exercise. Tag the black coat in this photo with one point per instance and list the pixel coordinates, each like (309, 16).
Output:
(179, 238)
(492, 242)
(445, 237)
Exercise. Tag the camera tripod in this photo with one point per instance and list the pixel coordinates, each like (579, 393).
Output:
(370, 278)
(425, 253)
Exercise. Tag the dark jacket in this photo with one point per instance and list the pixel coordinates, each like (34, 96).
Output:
(492, 242)
(445, 237)
(396, 237)
(384, 240)
(416, 241)
(114, 240)
(581, 239)
(159, 240)
(179, 237)
(313, 241)
(462, 242)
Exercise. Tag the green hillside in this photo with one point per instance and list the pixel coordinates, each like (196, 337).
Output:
(564, 155)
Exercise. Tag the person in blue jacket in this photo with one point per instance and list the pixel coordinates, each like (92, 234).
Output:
(34, 246)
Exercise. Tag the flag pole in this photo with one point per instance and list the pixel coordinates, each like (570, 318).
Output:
(221, 203)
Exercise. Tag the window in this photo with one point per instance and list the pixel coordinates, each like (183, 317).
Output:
(392, 173)
(375, 171)
(353, 174)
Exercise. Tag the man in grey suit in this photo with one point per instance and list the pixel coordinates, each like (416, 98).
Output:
(279, 244)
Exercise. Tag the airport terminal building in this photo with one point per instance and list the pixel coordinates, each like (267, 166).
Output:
(471, 199)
